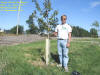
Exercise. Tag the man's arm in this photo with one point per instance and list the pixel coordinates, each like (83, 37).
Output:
(69, 39)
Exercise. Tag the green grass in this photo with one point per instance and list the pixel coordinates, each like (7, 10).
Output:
(14, 60)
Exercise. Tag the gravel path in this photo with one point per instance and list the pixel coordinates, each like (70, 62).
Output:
(13, 40)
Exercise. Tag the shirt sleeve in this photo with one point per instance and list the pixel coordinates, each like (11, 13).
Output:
(56, 29)
(69, 29)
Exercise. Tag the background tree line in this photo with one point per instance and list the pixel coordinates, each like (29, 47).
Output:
(13, 30)
(76, 32)
(80, 32)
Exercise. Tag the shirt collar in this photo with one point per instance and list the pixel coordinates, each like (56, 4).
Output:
(64, 24)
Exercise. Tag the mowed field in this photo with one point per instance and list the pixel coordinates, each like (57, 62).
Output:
(29, 59)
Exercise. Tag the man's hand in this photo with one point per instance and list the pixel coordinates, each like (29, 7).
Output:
(68, 45)
(55, 33)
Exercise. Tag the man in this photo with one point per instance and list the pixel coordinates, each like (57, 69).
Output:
(63, 33)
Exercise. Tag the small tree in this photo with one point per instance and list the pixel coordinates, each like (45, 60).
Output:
(33, 29)
(20, 29)
(46, 19)
(93, 32)
(97, 25)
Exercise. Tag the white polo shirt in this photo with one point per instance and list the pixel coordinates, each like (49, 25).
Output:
(63, 31)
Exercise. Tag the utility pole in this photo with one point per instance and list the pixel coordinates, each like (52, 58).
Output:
(18, 17)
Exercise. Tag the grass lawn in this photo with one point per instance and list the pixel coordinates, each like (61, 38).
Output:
(28, 59)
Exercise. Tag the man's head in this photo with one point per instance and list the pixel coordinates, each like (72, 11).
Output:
(63, 19)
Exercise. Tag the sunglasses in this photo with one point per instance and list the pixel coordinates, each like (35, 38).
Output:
(63, 19)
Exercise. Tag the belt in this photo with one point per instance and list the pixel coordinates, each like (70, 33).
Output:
(61, 39)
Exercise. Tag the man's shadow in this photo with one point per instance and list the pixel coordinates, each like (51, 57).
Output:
(55, 57)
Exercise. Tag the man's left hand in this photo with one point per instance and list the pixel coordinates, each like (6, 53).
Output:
(68, 45)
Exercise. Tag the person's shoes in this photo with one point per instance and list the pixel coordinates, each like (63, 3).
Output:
(66, 69)
(59, 65)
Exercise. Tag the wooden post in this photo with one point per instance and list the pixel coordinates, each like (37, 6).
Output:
(47, 53)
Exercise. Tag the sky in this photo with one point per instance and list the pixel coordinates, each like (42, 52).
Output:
(80, 13)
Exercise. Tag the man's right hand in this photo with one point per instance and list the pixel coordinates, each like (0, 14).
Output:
(55, 33)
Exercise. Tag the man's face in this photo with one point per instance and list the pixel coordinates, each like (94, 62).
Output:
(63, 19)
